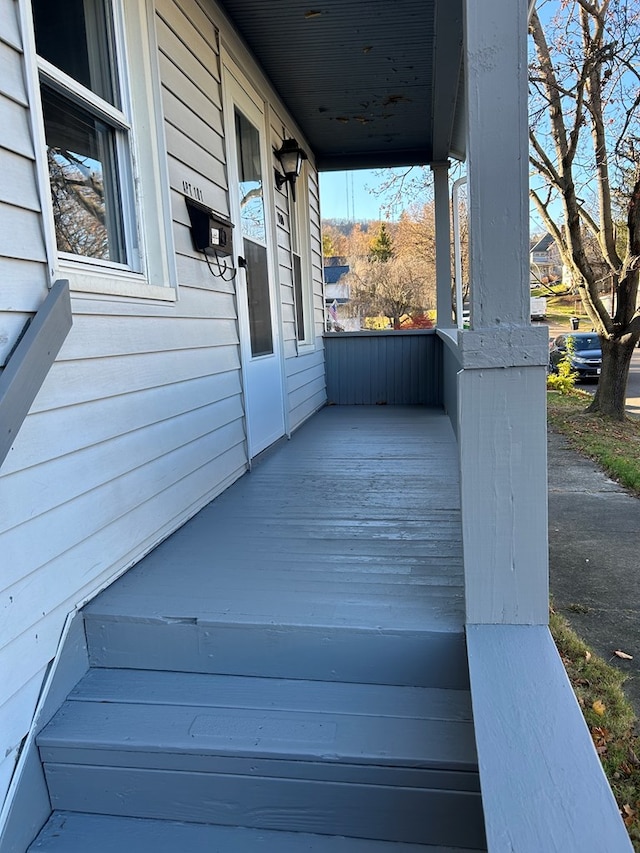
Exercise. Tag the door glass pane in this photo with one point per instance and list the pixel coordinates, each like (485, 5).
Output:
(76, 38)
(250, 178)
(258, 298)
(83, 176)
(254, 232)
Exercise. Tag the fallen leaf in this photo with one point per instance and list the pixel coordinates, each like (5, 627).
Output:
(623, 655)
(599, 707)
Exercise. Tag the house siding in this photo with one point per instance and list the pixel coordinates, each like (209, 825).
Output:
(24, 286)
(140, 421)
(22, 251)
(304, 368)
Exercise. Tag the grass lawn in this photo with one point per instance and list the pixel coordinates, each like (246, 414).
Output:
(615, 447)
(561, 308)
(610, 718)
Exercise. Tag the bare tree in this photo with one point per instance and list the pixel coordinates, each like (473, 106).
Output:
(584, 147)
(395, 276)
(391, 289)
(78, 200)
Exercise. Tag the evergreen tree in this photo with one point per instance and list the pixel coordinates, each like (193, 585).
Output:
(381, 248)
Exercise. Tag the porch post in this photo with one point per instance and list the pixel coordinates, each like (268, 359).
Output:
(443, 244)
(501, 389)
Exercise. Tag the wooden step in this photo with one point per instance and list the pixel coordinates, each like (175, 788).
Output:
(240, 645)
(371, 761)
(68, 832)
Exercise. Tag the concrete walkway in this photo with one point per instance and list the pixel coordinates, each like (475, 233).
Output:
(594, 554)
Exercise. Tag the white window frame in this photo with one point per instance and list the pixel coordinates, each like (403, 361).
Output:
(143, 172)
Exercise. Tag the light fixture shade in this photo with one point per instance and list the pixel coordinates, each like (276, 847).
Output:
(290, 156)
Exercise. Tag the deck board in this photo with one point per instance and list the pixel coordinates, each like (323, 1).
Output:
(69, 832)
(354, 521)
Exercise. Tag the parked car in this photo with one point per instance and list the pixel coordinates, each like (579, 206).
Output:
(585, 354)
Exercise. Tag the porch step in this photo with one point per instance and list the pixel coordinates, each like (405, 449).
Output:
(360, 760)
(308, 649)
(69, 832)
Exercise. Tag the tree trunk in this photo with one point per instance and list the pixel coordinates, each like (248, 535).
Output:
(612, 388)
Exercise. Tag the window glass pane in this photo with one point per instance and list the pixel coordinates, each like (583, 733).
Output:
(298, 297)
(250, 177)
(76, 38)
(83, 176)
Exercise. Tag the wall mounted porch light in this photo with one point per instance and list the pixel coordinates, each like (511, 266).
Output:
(290, 156)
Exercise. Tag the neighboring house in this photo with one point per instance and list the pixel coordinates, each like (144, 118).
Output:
(546, 264)
(337, 295)
(161, 326)
(333, 287)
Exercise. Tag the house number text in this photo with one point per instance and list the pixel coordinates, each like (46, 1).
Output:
(194, 192)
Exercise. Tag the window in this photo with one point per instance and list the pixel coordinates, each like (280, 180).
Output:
(301, 284)
(87, 131)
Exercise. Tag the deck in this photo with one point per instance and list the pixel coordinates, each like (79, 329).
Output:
(354, 524)
(288, 670)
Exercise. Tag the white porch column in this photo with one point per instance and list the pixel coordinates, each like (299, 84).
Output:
(443, 244)
(501, 390)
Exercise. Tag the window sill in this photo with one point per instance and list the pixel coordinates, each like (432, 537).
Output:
(114, 283)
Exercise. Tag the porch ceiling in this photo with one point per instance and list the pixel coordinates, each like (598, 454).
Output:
(371, 84)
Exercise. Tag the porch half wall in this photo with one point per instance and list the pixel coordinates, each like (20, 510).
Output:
(384, 368)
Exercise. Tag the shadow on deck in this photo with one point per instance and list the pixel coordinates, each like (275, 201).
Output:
(288, 670)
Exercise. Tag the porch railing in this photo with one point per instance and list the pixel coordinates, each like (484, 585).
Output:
(31, 360)
(401, 368)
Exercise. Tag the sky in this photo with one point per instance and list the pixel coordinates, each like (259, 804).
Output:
(348, 195)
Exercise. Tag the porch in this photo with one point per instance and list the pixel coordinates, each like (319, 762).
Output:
(291, 661)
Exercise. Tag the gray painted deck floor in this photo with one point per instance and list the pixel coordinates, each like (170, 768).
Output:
(354, 523)
(288, 671)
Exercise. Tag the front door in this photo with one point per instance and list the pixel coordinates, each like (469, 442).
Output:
(257, 308)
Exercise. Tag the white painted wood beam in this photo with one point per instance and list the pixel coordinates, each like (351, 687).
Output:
(543, 787)
(503, 462)
(443, 244)
(497, 161)
(501, 389)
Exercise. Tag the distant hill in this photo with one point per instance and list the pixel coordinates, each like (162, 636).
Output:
(345, 226)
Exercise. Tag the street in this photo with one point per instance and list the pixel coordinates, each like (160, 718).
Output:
(633, 384)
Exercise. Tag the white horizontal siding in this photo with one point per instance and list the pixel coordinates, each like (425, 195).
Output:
(81, 473)
(53, 574)
(9, 29)
(12, 80)
(140, 421)
(24, 286)
(16, 134)
(304, 369)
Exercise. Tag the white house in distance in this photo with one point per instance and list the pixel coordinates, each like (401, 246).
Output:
(546, 263)
(173, 680)
(337, 294)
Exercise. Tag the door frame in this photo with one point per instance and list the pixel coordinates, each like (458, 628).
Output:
(236, 88)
